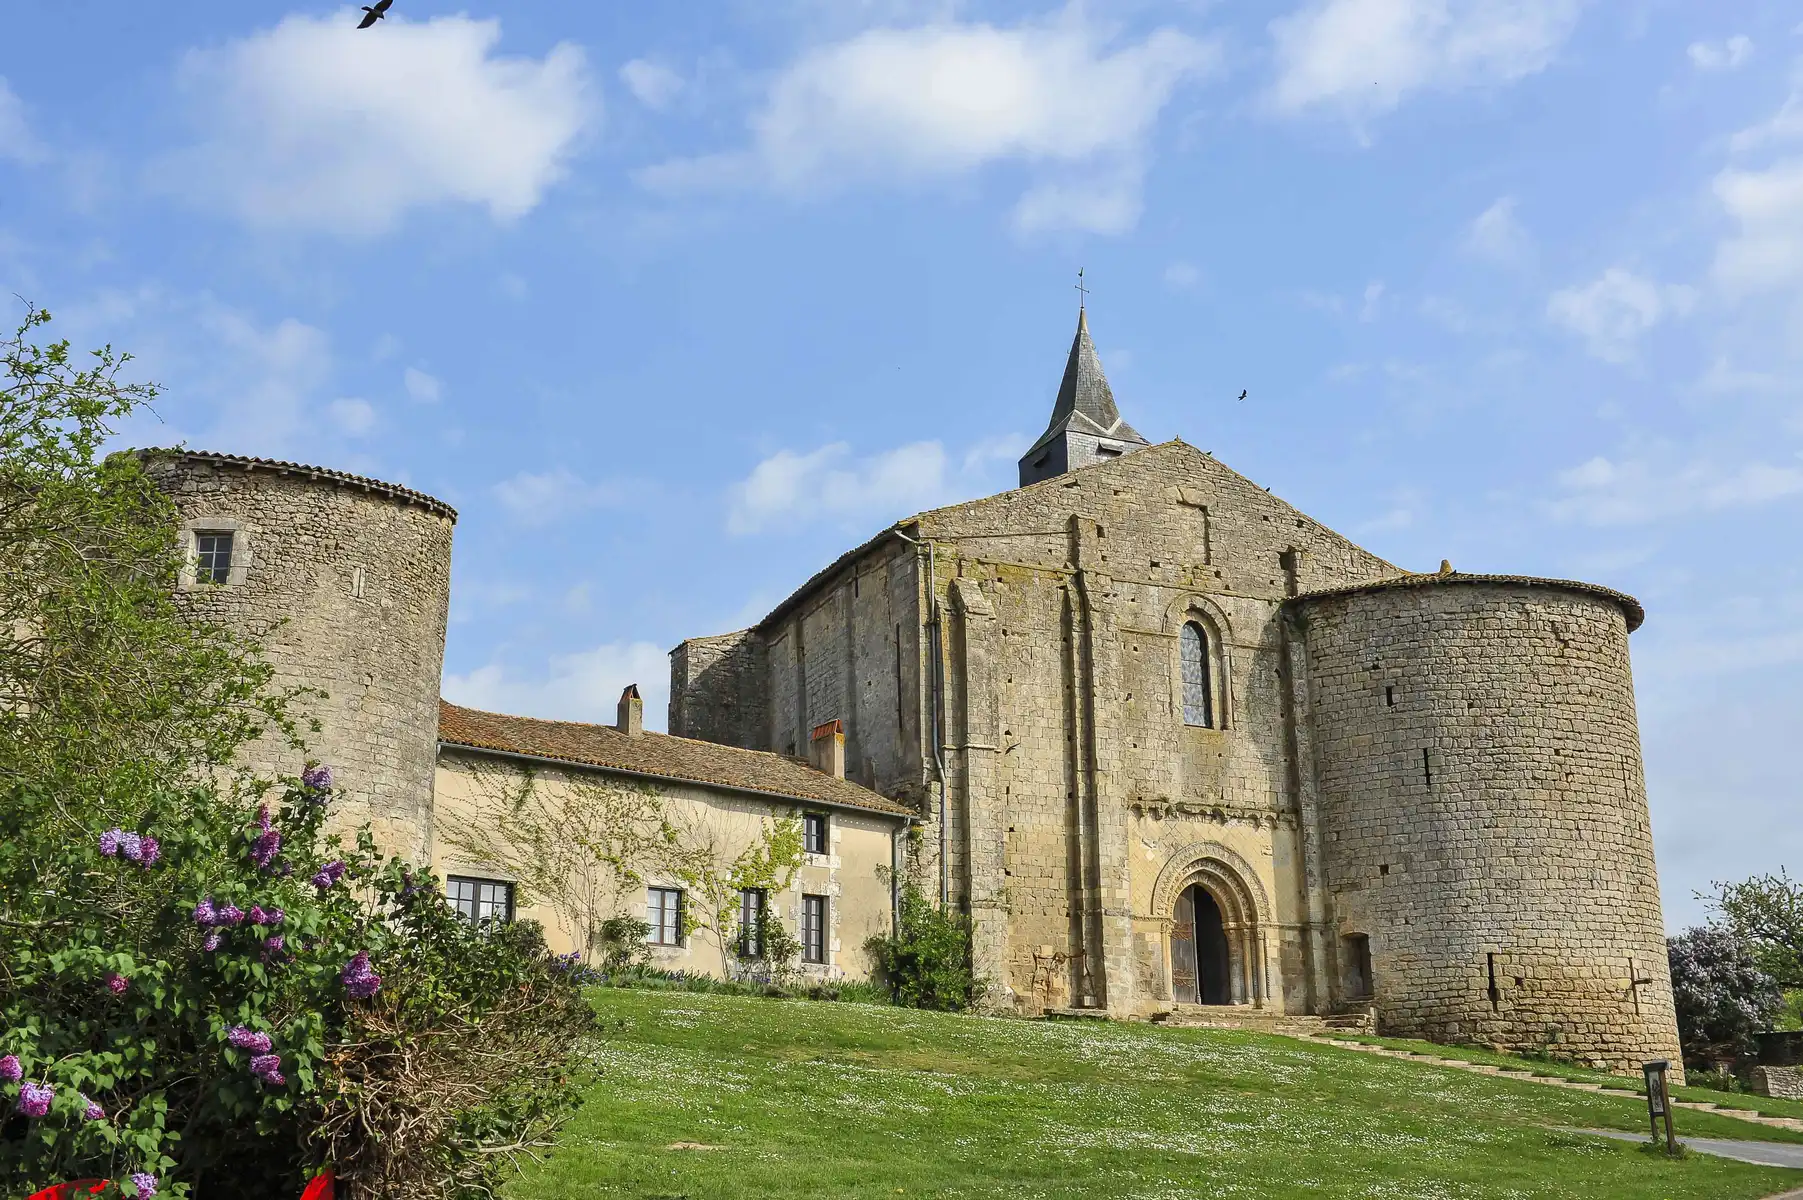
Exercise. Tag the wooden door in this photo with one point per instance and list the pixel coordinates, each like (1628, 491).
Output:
(1183, 951)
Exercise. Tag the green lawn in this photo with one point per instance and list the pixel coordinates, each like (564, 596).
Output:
(807, 1099)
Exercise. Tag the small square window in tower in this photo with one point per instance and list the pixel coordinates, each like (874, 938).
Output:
(813, 929)
(813, 833)
(213, 556)
(1198, 695)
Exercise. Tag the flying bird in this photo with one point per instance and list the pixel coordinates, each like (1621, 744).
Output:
(1242, 393)
(374, 12)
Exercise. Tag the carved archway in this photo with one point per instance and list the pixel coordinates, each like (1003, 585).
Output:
(1245, 912)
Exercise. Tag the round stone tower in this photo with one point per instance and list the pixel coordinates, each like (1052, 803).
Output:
(1484, 829)
(345, 582)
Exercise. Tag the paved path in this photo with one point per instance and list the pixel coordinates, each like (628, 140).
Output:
(1739, 1114)
(1765, 1154)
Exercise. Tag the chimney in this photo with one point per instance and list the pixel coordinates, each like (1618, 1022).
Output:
(631, 720)
(826, 749)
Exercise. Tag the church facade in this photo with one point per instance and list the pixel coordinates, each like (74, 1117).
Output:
(1172, 742)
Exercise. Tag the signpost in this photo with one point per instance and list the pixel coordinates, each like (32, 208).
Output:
(1659, 1101)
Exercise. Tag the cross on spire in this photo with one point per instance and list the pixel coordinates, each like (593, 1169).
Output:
(1082, 292)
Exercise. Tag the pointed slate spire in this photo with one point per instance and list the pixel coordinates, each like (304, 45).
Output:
(1086, 426)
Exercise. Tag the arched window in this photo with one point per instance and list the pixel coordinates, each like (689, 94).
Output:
(1198, 696)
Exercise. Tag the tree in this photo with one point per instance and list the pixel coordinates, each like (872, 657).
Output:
(191, 995)
(1722, 995)
(1766, 912)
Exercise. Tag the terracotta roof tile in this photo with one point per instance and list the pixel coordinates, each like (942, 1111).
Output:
(430, 503)
(656, 754)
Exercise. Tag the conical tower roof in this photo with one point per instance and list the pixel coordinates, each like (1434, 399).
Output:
(1084, 410)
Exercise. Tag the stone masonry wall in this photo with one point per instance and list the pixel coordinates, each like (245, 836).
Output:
(347, 590)
(719, 690)
(1485, 816)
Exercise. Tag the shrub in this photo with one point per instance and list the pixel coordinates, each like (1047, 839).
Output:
(1722, 996)
(927, 961)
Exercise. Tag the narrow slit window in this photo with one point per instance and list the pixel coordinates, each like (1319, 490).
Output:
(1494, 991)
(1198, 695)
(1390, 697)
(213, 556)
(1427, 768)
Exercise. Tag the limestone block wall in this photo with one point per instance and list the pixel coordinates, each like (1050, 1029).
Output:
(719, 690)
(345, 583)
(1484, 814)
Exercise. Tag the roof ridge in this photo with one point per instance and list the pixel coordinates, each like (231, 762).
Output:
(283, 466)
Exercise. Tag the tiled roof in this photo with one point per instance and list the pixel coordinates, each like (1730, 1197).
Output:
(1084, 398)
(430, 503)
(1630, 607)
(656, 754)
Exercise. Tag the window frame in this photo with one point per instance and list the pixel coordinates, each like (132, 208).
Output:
(476, 901)
(813, 932)
(669, 916)
(821, 821)
(208, 569)
(1204, 663)
(754, 904)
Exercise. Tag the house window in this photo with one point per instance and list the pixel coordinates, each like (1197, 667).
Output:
(751, 923)
(813, 833)
(213, 556)
(663, 913)
(480, 900)
(1198, 696)
(813, 929)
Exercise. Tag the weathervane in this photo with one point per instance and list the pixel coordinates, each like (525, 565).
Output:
(1082, 292)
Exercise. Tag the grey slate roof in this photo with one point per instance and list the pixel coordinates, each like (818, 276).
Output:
(280, 467)
(1630, 607)
(1085, 401)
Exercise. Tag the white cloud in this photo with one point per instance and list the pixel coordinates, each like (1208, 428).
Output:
(1766, 251)
(1607, 492)
(1612, 311)
(355, 417)
(1362, 57)
(855, 492)
(1372, 302)
(16, 140)
(946, 99)
(539, 498)
(1182, 276)
(584, 686)
(1498, 236)
(421, 387)
(313, 124)
(651, 84)
(1720, 56)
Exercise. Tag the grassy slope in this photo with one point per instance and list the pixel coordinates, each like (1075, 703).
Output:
(1765, 1105)
(842, 1100)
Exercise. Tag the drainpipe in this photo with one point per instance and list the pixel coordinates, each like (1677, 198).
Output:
(937, 689)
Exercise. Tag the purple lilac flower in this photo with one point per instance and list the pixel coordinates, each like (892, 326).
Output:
(265, 916)
(205, 914)
(212, 941)
(109, 841)
(91, 1111)
(274, 945)
(266, 847)
(359, 980)
(268, 1068)
(328, 875)
(151, 850)
(263, 821)
(145, 1182)
(116, 983)
(317, 778)
(10, 1070)
(231, 914)
(248, 1039)
(35, 1098)
(132, 846)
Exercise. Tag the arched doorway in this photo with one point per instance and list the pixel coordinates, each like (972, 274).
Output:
(1201, 967)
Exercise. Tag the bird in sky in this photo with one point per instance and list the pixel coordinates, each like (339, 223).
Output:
(1242, 393)
(374, 12)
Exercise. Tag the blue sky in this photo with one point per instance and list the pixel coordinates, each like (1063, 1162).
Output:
(674, 309)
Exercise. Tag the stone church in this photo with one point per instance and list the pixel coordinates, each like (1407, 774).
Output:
(1166, 739)
(1173, 742)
